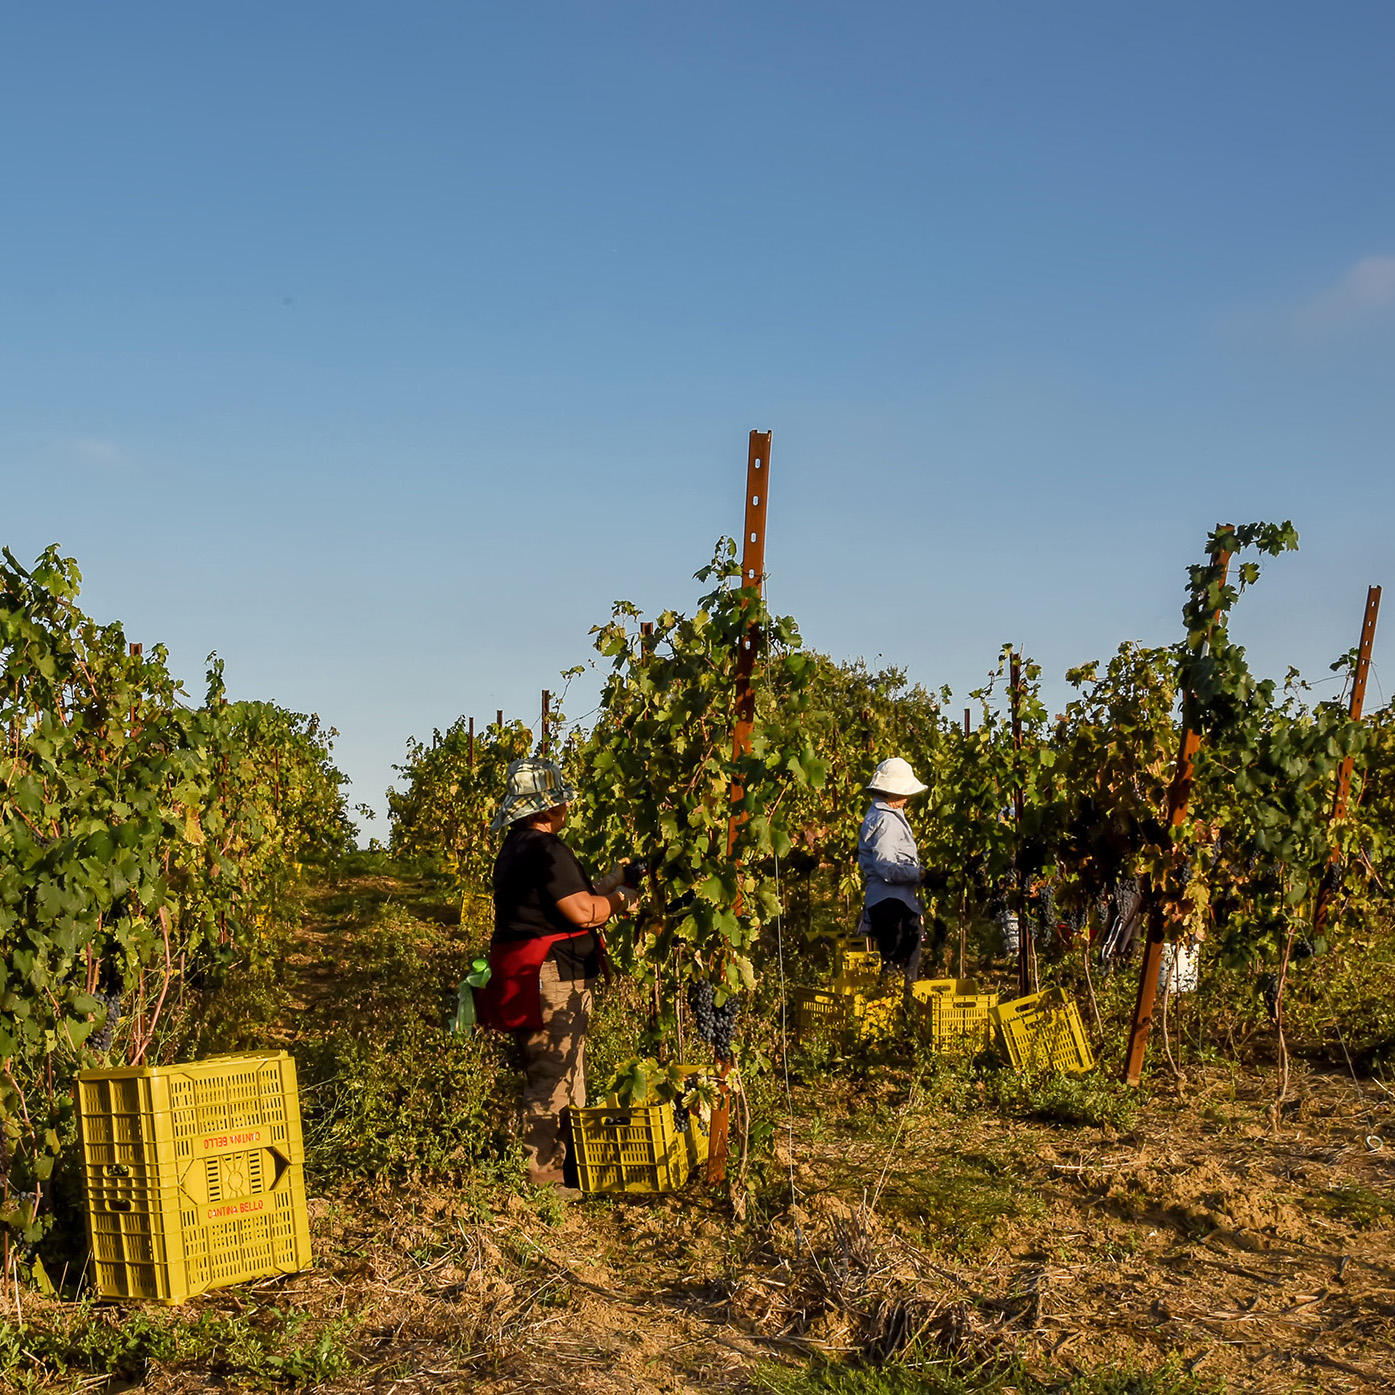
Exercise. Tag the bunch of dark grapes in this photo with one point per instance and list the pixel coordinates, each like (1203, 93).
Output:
(1268, 984)
(712, 1023)
(723, 1025)
(700, 1003)
(100, 1040)
(681, 1113)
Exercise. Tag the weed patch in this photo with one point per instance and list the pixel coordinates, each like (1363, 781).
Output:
(385, 1092)
(406, 1105)
(1361, 1206)
(929, 1375)
(1091, 1101)
(959, 1201)
(256, 1349)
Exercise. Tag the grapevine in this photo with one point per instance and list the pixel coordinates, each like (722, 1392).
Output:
(656, 775)
(141, 837)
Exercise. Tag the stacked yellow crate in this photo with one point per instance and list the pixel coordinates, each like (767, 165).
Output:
(839, 1009)
(857, 971)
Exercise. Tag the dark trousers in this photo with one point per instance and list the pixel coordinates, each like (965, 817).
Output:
(897, 929)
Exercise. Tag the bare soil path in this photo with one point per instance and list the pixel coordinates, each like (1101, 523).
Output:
(902, 1212)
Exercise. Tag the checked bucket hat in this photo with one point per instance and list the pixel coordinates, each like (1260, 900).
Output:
(534, 785)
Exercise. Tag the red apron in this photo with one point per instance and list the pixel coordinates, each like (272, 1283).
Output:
(511, 1001)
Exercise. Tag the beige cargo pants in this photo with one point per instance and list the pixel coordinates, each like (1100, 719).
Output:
(554, 1065)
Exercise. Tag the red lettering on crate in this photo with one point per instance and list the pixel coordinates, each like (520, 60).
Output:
(235, 1208)
(232, 1140)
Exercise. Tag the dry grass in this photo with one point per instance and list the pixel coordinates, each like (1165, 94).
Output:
(894, 1220)
(1200, 1233)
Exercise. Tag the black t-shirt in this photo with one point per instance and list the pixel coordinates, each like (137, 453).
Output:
(533, 872)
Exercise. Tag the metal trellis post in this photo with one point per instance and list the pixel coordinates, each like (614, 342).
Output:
(1358, 701)
(752, 578)
(1026, 956)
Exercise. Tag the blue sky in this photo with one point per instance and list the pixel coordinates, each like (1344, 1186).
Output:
(380, 347)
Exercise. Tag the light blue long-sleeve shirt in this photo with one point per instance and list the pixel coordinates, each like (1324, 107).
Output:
(887, 857)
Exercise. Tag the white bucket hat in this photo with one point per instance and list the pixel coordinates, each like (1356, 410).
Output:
(534, 785)
(895, 777)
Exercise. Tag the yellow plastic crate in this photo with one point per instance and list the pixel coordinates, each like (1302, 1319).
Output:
(635, 1148)
(1043, 1031)
(845, 1016)
(822, 1010)
(855, 970)
(193, 1175)
(959, 1021)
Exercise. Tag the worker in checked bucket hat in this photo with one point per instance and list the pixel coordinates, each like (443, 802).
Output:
(890, 867)
(545, 954)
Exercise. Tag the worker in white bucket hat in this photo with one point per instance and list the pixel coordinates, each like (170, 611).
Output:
(890, 867)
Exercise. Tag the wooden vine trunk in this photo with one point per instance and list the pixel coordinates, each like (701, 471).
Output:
(1161, 913)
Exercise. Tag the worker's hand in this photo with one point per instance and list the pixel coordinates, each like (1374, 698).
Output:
(629, 897)
(612, 879)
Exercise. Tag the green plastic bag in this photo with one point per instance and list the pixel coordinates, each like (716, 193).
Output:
(463, 1023)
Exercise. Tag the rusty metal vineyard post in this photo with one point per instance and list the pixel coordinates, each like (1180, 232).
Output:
(1026, 947)
(1162, 913)
(964, 894)
(1360, 673)
(137, 650)
(752, 579)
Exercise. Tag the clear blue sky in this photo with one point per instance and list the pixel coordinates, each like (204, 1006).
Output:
(379, 347)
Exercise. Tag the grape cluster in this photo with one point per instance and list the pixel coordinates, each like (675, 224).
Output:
(1268, 985)
(723, 1025)
(100, 1040)
(680, 1117)
(701, 1001)
(714, 1024)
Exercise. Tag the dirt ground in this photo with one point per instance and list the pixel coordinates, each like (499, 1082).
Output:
(1201, 1232)
(898, 1216)
(1264, 1260)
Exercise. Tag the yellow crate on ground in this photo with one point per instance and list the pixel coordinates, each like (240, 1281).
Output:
(959, 1021)
(856, 969)
(635, 1148)
(847, 1017)
(1043, 1031)
(194, 1175)
(822, 1010)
